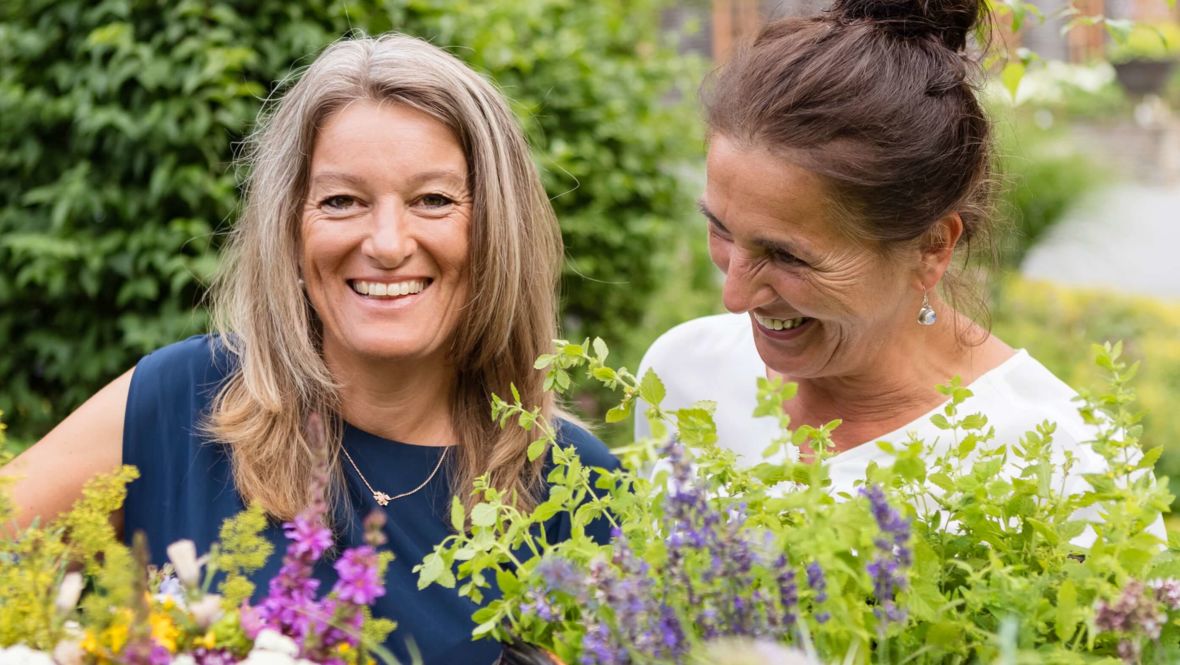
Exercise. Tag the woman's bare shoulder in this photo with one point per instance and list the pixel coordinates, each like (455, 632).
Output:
(47, 479)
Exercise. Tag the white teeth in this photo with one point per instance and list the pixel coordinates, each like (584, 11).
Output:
(779, 324)
(386, 289)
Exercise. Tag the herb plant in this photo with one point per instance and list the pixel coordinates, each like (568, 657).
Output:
(975, 554)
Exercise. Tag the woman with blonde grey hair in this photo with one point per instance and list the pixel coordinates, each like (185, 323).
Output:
(395, 265)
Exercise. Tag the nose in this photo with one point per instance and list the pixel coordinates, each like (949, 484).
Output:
(390, 241)
(743, 290)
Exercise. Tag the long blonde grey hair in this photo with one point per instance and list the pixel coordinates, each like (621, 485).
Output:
(265, 320)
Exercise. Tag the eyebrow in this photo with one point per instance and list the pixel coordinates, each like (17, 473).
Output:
(449, 177)
(768, 244)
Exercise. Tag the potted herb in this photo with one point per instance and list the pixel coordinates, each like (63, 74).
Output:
(1144, 57)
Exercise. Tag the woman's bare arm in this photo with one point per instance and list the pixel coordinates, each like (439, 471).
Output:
(48, 477)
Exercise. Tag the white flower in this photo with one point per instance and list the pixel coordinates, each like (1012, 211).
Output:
(68, 652)
(70, 591)
(206, 610)
(183, 555)
(257, 657)
(184, 659)
(273, 641)
(20, 654)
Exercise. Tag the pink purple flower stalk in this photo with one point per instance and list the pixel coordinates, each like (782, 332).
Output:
(319, 626)
(1139, 612)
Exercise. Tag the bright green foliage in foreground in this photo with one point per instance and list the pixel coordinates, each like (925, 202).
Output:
(992, 572)
(1053, 322)
(117, 125)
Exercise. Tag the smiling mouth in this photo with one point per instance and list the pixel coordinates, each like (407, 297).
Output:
(780, 324)
(388, 289)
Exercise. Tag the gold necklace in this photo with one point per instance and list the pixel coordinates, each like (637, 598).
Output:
(382, 498)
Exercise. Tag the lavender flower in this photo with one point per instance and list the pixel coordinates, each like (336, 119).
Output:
(788, 592)
(818, 584)
(888, 569)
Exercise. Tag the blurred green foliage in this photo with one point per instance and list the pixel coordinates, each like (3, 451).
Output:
(118, 121)
(1146, 41)
(1041, 176)
(1056, 324)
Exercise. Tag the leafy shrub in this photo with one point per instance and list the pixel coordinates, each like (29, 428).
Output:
(118, 122)
(1042, 175)
(1053, 322)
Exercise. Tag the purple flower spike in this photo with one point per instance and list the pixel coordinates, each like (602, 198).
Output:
(894, 557)
(309, 537)
(358, 582)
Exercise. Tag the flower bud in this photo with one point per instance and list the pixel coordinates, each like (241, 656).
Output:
(70, 591)
(206, 610)
(275, 642)
(183, 555)
(68, 652)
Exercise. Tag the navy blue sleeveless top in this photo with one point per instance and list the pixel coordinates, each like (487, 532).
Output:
(186, 490)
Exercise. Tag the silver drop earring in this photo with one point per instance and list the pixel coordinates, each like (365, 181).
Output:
(926, 315)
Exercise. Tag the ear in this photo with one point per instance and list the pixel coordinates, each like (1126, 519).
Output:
(937, 249)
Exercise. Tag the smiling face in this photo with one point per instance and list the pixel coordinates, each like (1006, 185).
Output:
(821, 304)
(384, 234)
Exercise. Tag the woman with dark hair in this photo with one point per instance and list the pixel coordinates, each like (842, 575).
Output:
(849, 167)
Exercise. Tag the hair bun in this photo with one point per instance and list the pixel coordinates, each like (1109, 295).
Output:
(949, 20)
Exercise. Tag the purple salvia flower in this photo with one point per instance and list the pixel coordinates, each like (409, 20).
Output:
(598, 647)
(788, 591)
(818, 584)
(888, 569)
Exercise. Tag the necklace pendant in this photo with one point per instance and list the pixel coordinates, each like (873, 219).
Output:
(382, 498)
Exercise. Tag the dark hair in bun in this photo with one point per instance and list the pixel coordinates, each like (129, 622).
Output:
(876, 97)
(949, 20)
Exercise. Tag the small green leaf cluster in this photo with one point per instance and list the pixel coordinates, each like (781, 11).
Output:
(977, 551)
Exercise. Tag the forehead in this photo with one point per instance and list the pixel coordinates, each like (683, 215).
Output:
(752, 190)
(386, 136)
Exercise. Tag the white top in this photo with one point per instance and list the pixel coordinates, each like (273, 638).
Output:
(714, 358)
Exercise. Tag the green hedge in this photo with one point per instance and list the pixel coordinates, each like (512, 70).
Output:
(118, 121)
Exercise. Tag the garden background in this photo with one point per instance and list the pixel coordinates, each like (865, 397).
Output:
(119, 122)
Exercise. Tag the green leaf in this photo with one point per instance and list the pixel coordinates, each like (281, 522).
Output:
(432, 571)
(1011, 76)
(483, 514)
(536, 448)
(651, 389)
(618, 413)
(1067, 610)
(457, 513)
(600, 350)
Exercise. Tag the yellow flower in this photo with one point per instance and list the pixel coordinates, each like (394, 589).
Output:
(90, 642)
(115, 637)
(208, 640)
(164, 631)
